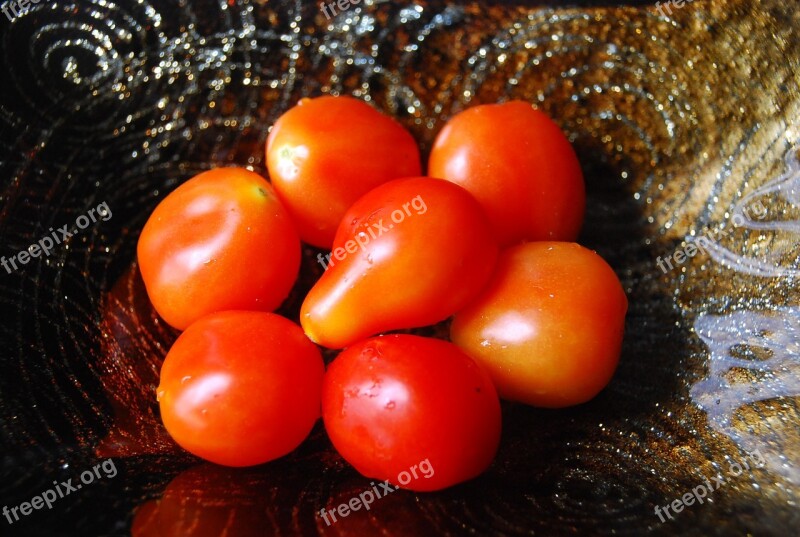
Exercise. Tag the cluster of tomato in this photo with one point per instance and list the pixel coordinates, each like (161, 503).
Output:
(484, 239)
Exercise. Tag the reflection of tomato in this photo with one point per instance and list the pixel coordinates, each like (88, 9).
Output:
(327, 152)
(403, 403)
(519, 165)
(410, 253)
(213, 501)
(220, 241)
(241, 388)
(208, 501)
(548, 326)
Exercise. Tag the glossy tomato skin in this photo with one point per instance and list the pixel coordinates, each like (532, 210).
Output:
(409, 253)
(548, 326)
(390, 403)
(327, 152)
(519, 165)
(220, 241)
(240, 388)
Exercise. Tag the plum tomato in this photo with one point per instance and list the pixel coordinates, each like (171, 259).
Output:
(240, 388)
(519, 166)
(327, 152)
(220, 241)
(415, 411)
(409, 253)
(548, 326)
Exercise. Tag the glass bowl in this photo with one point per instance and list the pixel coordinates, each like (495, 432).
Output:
(685, 118)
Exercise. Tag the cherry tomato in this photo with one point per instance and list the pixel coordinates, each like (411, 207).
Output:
(220, 241)
(519, 166)
(240, 388)
(409, 253)
(548, 326)
(415, 411)
(327, 152)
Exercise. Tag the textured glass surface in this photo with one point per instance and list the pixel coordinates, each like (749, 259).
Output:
(687, 124)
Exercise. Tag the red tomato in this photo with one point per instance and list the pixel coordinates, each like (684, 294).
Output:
(220, 241)
(241, 387)
(519, 166)
(327, 152)
(410, 253)
(548, 326)
(415, 411)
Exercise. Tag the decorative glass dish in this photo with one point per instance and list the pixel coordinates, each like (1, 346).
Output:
(685, 119)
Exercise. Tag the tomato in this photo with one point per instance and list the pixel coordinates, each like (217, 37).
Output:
(325, 153)
(548, 326)
(220, 241)
(241, 387)
(409, 253)
(415, 411)
(519, 166)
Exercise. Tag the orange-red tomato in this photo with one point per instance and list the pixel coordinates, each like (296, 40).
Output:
(220, 241)
(415, 411)
(409, 253)
(327, 152)
(240, 388)
(548, 326)
(519, 166)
